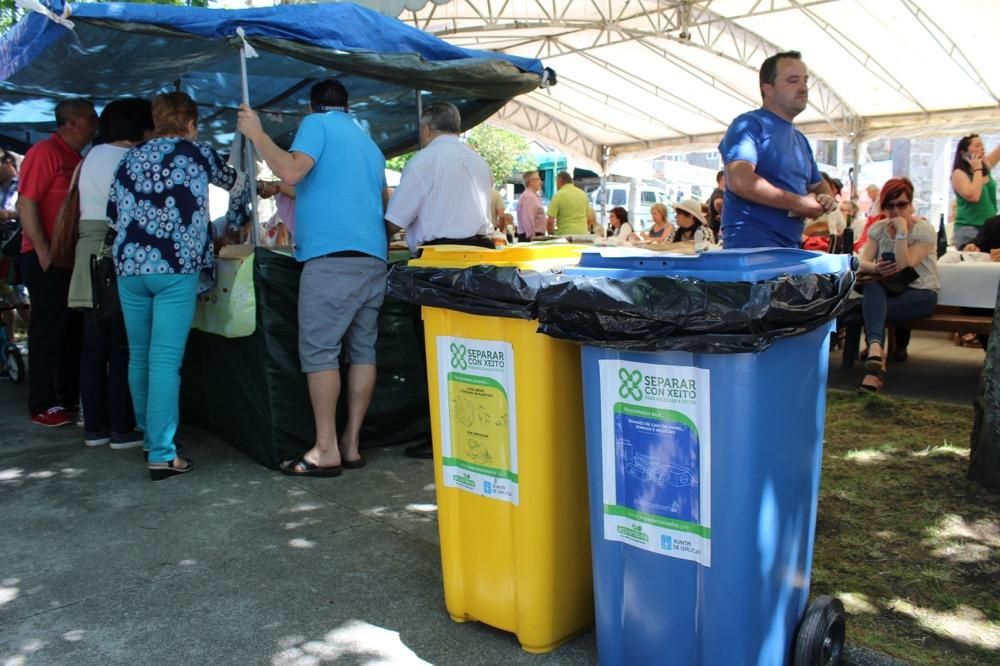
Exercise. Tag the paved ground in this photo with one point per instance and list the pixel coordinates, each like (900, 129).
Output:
(936, 370)
(236, 564)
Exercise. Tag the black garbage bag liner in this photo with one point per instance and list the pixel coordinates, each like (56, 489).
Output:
(660, 313)
(493, 291)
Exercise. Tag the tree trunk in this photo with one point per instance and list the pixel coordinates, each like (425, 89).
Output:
(984, 461)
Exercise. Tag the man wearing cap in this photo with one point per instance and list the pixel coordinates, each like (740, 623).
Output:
(340, 194)
(773, 182)
(567, 214)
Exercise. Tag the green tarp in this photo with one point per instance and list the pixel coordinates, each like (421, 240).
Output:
(251, 392)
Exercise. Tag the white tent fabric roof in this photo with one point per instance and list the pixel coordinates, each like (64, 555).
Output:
(642, 77)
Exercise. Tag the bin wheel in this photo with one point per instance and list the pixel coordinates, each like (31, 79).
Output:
(820, 639)
(15, 365)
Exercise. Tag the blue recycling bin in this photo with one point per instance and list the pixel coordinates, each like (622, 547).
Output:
(704, 473)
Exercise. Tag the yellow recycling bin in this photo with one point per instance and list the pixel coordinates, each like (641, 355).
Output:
(509, 461)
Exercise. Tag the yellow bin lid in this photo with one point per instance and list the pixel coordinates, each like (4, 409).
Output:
(530, 256)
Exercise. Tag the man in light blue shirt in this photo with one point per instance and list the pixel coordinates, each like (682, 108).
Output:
(340, 234)
(772, 181)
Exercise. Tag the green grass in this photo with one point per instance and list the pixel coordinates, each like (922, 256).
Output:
(903, 538)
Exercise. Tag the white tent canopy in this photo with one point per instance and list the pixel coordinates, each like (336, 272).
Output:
(642, 77)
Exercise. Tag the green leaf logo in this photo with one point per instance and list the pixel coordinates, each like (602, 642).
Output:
(630, 384)
(458, 357)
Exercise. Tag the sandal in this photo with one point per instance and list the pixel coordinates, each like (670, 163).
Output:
(158, 471)
(357, 463)
(873, 363)
(879, 374)
(292, 468)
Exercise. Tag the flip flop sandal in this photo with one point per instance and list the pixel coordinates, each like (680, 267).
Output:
(357, 463)
(299, 466)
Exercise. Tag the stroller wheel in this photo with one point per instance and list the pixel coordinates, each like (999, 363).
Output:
(14, 364)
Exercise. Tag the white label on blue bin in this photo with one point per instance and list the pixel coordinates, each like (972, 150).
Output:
(656, 456)
(478, 422)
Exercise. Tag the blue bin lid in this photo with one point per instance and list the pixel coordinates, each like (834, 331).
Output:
(744, 265)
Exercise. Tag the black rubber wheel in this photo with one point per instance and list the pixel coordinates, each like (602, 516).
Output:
(820, 639)
(15, 365)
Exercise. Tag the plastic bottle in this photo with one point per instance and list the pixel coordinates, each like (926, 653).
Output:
(499, 239)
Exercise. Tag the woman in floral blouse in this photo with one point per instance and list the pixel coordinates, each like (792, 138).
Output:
(163, 256)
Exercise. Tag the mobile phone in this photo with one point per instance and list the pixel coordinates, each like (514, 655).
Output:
(967, 156)
(889, 256)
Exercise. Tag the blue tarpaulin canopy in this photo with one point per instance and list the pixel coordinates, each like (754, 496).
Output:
(119, 49)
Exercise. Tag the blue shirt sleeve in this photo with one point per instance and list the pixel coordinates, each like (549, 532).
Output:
(310, 138)
(742, 140)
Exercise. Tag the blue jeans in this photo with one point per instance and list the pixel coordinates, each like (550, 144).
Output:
(879, 307)
(158, 312)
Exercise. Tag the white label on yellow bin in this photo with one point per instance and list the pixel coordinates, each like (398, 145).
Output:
(478, 424)
(656, 456)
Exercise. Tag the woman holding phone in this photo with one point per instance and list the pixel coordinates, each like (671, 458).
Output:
(975, 189)
(898, 258)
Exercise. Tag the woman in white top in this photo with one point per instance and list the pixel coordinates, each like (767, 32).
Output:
(898, 244)
(104, 391)
(620, 227)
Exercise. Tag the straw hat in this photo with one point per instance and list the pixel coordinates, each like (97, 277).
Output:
(693, 207)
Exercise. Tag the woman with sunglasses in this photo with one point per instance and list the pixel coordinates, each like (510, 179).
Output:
(975, 189)
(897, 242)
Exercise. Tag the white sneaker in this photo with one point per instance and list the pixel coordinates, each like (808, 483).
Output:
(90, 439)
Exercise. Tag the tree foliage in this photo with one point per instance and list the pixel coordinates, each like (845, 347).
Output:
(504, 151)
(399, 161)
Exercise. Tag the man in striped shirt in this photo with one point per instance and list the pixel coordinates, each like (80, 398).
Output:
(444, 192)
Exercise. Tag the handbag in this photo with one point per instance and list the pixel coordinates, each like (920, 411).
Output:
(103, 281)
(67, 228)
(897, 283)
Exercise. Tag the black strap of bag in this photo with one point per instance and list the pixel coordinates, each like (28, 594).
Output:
(103, 281)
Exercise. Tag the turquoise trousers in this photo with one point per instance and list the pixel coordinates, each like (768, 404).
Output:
(158, 312)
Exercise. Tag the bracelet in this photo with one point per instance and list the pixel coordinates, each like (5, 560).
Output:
(901, 237)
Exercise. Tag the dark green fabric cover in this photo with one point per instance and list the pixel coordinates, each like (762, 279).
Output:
(251, 392)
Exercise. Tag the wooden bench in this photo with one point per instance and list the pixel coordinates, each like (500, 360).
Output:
(946, 318)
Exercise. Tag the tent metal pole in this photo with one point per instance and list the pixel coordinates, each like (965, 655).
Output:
(605, 154)
(248, 151)
(855, 159)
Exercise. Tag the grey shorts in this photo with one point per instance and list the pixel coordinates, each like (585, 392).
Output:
(339, 300)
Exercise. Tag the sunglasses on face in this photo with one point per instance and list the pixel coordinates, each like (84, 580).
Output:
(896, 205)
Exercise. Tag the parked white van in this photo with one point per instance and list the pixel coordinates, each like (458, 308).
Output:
(638, 211)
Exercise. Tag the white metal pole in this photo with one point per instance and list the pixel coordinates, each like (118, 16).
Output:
(248, 154)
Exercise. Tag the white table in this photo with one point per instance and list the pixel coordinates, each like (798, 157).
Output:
(969, 284)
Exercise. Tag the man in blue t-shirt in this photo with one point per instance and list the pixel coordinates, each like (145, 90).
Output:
(340, 233)
(772, 181)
